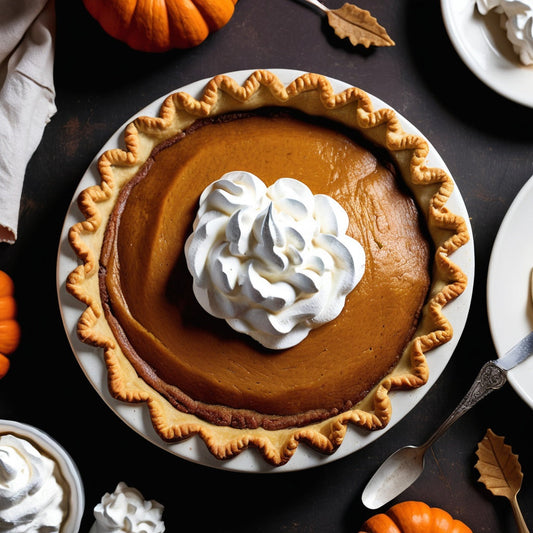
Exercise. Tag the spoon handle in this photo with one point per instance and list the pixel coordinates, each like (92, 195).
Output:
(519, 518)
(490, 377)
(318, 4)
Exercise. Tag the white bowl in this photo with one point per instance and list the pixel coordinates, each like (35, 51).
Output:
(66, 464)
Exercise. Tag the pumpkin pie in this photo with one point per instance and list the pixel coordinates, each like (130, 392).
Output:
(197, 374)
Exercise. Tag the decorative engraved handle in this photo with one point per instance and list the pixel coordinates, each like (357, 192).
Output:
(490, 377)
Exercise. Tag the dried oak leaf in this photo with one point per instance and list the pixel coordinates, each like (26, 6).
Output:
(499, 467)
(359, 26)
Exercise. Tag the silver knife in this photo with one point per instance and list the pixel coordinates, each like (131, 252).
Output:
(493, 375)
(518, 353)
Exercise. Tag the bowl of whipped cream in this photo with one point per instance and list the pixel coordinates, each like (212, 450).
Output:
(40, 485)
(494, 38)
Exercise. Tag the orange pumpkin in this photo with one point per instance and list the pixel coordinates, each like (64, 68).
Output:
(414, 517)
(4, 365)
(9, 327)
(161, 25)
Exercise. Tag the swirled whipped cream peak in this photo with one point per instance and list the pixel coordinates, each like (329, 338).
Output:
(516, 18)
(32, 500)
(273, 262)
(126, 511)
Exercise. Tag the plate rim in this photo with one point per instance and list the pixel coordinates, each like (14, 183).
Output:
(249, 460)
(501, 341)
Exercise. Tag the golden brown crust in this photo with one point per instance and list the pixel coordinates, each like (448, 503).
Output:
(313, 94)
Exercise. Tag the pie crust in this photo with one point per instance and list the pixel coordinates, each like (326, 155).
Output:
(313, 95)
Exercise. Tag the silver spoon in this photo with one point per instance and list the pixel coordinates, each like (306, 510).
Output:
(405, 465)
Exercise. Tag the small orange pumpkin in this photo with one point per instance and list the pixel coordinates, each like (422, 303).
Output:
(414, 517)
(9, 327)
(161, 25)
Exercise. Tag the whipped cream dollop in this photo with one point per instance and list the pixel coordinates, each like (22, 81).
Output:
(516, 18)
(273, 262)
(32, 500)
(126, 511)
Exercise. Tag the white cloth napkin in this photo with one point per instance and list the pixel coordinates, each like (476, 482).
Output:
(27, 96)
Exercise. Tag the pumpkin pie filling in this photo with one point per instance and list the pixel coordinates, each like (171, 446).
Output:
(198, 362)
(196, 375)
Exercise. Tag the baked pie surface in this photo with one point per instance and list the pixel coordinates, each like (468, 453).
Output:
(285, 404)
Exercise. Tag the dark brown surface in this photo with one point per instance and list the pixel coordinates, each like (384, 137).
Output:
(486, 142)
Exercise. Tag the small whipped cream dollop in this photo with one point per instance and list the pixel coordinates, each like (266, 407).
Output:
(273, 262)
(516, 18)
(126, 511)
(31, 498)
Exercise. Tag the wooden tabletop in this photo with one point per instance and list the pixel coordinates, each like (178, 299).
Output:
(487, 144)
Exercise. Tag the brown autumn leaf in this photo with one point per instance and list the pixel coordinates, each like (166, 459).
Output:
(359, 26)
(499, 467)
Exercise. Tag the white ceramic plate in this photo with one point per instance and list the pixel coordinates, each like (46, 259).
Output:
(483, 46)
(193, 449)
(510, 308)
